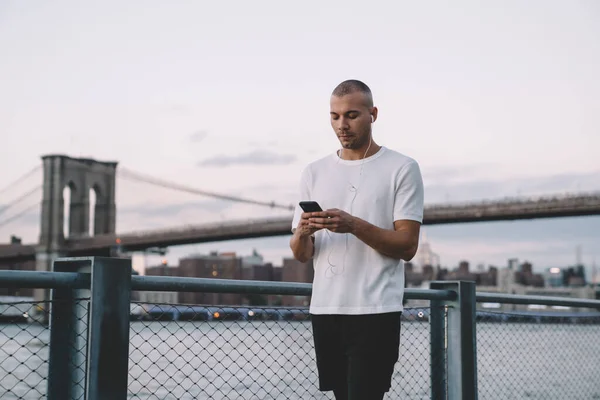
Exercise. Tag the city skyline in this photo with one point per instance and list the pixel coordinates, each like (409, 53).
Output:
(422, 259)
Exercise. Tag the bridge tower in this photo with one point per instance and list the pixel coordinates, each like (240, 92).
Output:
(79, 175)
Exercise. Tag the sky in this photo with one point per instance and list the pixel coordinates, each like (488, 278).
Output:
(493, 100)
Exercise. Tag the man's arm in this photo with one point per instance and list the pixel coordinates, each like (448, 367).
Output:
(302, 245)
(302, 241)
(400, 243)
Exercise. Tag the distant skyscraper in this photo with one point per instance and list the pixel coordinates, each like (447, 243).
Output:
(252, 260)
(425, 255)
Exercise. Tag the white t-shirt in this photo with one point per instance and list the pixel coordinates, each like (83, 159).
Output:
(351, 277)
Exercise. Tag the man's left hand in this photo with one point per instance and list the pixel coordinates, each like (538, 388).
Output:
(334, 220)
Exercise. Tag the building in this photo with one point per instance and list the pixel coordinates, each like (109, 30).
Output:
(214, 265)
(295, 271)
(525, 276)
(425, 255)
(565, 277)
(554, 277)
(254, 268)
(16, 266)
(254, 259)
(159, 297)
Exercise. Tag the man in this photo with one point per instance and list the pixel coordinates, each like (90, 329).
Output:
(372, 199)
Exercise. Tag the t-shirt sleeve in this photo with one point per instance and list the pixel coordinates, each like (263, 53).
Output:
(409, 196)
(303, 194)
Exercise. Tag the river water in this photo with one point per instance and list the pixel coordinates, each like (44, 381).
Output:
(274, 360)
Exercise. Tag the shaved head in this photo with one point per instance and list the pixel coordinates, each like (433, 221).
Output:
(353, 86)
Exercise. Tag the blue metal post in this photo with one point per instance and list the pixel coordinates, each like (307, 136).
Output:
(461, 346)
(89, 346)
(108, 340)
(68, 331)
(437, 335)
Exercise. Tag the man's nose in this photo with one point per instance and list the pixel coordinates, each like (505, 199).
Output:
(342, 124)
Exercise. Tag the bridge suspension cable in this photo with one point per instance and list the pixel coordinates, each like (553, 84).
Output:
(136, 176)
(19, 199)
(19, 215)
(20, 179)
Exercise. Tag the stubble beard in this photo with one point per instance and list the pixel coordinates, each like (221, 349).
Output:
(358, 142)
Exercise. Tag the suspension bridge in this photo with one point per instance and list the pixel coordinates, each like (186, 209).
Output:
(61, 171)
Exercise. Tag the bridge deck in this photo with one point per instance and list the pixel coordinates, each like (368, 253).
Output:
(514, 209)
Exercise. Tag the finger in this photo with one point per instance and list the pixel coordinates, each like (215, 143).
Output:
(323, 226)
(319, 221)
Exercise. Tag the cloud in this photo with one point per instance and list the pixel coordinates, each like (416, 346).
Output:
(198, 136)
(256, 157)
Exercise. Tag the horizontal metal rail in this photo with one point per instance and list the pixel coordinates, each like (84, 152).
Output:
(44, 280)
(429, 294)
(537, 300)
(74, 280)
(181, 284)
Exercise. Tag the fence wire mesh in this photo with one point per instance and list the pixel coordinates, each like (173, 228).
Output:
(187, 352)
(191, 352)
(24, 349)
(530, 356)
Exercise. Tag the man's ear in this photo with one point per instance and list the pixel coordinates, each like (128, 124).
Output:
(374, 112)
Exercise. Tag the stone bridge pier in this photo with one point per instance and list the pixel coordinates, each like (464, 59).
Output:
(83, 178)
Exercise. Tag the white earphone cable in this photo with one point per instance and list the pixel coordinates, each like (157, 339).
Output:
(332, 267)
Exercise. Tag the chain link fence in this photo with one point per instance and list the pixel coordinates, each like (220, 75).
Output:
(185, 352)
(538, 357)
(191, 352)
(24, 349)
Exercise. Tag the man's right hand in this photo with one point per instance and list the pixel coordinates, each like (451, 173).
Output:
(301, 242)
(304, 229)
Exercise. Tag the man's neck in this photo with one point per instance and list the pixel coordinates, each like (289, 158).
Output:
(359, 154)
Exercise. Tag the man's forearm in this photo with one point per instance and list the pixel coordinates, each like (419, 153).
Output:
(392, 243)
(302, 247)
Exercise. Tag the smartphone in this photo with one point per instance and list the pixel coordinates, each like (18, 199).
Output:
(310, 206)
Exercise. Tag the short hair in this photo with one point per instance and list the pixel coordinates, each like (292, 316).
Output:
(351, 86)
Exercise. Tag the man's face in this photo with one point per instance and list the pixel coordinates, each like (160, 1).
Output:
(351, 119)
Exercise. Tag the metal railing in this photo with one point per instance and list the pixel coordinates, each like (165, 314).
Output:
(95, 343)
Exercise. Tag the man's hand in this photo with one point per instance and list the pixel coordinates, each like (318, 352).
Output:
(333, 219)
(302, 241)
(304, 228)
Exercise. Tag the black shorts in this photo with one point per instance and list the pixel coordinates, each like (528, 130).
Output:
(359, 351)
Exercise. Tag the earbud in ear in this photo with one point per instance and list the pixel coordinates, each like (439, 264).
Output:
(372, 118)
